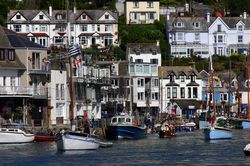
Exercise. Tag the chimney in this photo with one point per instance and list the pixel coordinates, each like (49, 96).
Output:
(50, 11)
(208, 17)
(187, 7)
(157, 43)
(168, 16)
(74, 10)
(244, 15)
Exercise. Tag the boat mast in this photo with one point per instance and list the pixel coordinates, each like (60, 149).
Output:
(229, 90)
(248, 86)
(212, 87)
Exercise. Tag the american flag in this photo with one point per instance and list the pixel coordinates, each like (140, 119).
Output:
(74, 50)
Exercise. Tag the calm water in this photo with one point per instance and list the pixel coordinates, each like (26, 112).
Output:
(185, 149)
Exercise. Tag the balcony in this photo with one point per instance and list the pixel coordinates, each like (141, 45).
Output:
(43, 71)
(19, 91)
(101, 81)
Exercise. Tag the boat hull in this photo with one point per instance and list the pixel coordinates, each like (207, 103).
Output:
(74, 142)
(39, 138)
(245, 124)
(15, 137)
(217, 134)
(125, 132)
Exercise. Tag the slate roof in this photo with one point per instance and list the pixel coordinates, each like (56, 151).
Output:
(184, 103)
(93, 14)
(146, 48)
(178, 71)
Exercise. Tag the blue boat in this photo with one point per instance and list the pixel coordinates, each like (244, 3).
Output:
(245, 124)
(217, 133)
(125, 127)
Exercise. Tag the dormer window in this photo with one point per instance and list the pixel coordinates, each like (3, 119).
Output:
(135, 4)
(192, 77)
(171, 77)
(84, 17)
(41, 17)
(11, 55)
(240, 28)
(196, 25)
(106, 17)
(179, 24)
(153, 52)
(137, 52)
(182, 78)
(59, 17)
(18, 16)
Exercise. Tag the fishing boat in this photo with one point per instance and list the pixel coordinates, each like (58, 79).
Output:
(76, 141)
(124, 126)
(41, 136)
(12, 134)
(214, 132)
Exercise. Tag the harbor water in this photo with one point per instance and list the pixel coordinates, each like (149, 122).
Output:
(187, 148)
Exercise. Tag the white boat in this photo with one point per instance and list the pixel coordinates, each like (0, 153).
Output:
(15, 135)
(76, 141)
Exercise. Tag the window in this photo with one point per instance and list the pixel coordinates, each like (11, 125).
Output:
(179, 24)
(220, 39)
(240, 28)
(182, 92)
(36, 60)
(140, 82)
(138, 68)
(215, 39)
(71, 28)
(155, 82)
(59, 17)
(197, 36)
(219, 28)
(155, 96)
(132, 68)
(140, 96)
(18, 16)
(83, 28)
(2, 56)
(223, 97)
(189, 92)
(192, 78)
(41, 17)
(57, 92)
(108, 40)
(174, 92)
(62, 91)
(151, 16)
(195, 92)
(83, 40)
(84, 17)
(146, 68)
(4, 80)
(135, 16)
(171, 77)
(32, 28)
(11, 55)
(108, 28)
(180, 36)
(240, 39)
(12, 81)
(106, 16)
(168, 93)
(139, 60)
(98, 28)
(154, 61)
(17, 28)
(150, 4)
(43, 28)
(196, 25)
(135, 4)
(182, 77)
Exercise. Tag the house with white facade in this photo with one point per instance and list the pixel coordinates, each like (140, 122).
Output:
(181, 83)
(24, 77)
(144, 53)
(52, 28)
(142, 11)
(204, 36)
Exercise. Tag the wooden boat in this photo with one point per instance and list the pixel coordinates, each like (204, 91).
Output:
(122, 127)
(11, 133)
(167, 130)
(76, 141)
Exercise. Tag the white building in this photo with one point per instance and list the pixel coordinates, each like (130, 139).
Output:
(85, 27)
(178, 82)
(202, 36)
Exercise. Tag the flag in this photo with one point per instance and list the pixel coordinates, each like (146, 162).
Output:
(74, 50)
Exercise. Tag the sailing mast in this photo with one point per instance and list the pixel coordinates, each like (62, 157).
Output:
(248, 86)
(211, 81)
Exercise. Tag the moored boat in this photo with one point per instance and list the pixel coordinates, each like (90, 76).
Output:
(247, 150)
(76, 141)
(39, 138)
(122, 127)
(167, 130)
(12, 135)
(217, 133)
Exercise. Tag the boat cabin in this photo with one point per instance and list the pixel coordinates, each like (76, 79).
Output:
(11, 130)
(122, 119)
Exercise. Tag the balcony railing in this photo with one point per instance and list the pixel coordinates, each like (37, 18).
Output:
(23, 91)
(44, 70)
(92, 80)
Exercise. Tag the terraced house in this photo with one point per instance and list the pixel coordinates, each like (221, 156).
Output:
(54, 27)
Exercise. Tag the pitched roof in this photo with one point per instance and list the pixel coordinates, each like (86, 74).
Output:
(177, 70)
